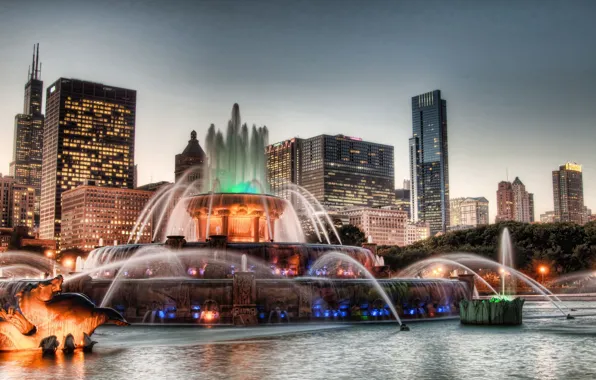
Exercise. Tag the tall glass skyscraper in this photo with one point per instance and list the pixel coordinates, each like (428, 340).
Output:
(89, 135)
(429, 164)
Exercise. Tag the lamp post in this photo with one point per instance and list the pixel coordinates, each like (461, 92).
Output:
(542, 270)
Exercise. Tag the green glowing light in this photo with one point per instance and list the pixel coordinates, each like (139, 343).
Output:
(243, 187)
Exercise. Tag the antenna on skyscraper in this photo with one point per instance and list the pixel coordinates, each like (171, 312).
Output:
(33, 64)
(37, 62)
(507, 174)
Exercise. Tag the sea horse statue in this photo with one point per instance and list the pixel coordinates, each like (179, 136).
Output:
(43, 311)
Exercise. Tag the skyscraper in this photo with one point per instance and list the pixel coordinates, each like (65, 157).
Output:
(568, 193)
(521, 202)
(193, 157)
(505, 208)
(342, 171)
(429, 161)
(28, 134)
(283, 166)
(89, 135)
(514, 202)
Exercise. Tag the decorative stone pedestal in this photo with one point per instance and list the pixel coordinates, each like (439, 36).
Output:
(491, 312)
(218, 242)
(176, 241)
(244, 311)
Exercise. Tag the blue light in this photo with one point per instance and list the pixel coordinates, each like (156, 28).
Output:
(364, 313)
(195, 307)
(262, 315)
(171, 315)
(344, 306)
(161, 314)
(283, 315)
(326, 314)
(335, 314)
(412, 311)
(317, 314)
(195, 315)
(386, 311)
(375, 312)
(344, 314)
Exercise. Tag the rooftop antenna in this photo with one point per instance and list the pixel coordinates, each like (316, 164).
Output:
(33, 64)
(37, 68)
(507, 174)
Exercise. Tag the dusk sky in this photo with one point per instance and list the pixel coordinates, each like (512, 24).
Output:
(519, 76)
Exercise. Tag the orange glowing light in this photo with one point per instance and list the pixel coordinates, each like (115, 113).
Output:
(543, 269)
(49, 253)
(68, 263)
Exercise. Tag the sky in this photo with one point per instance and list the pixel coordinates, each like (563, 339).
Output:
(519, 77)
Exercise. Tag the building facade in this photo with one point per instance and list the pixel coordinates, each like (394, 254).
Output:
(283, 161)
(342, 171)
(339, 171)
(402, 200)
(89, 135)
(17, 204)
(417, 232)
(27, 153)
(547, 217)
(190, 164)
(514, 202)
(468, 212)
(386, 225)
(568, 193)
(94, 216)
(521, 202)
(429, 161)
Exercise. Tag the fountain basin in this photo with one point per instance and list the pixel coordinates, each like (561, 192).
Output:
(496, 312)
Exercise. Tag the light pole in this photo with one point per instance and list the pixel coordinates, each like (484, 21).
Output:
(542, 270)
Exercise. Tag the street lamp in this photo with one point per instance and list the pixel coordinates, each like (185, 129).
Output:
(542, 270)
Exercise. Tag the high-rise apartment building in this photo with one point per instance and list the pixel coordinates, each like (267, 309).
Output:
(521, 202)
(429, 161)
(93, 214)
(17, 204)
(468, 212)
(505, 208)
(340, 171)
(28, 134)
(192, 162)
(568, 193)
(402, 200)
(514, 202)
(89, 135)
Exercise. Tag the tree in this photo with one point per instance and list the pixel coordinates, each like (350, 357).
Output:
(348, 234)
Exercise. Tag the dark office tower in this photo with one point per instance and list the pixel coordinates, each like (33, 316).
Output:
(191, 161)
(429, 164)
(568, 193)
(283, 166)
(343, 171)
(28, 134)
(89, 135)
(505, 202)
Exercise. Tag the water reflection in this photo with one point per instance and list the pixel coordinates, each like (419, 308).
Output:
(438, 350)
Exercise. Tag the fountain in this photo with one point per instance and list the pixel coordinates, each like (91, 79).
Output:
(227, 252)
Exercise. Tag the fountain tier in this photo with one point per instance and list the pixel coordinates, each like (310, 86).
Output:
(242, 217)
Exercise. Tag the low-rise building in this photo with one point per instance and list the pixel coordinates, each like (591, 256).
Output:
(469, 212)
(17, 204)
(416, 232)
(91, 214)
(547, 217)
(386, 225)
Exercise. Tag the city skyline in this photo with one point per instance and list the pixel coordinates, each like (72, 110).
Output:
(502, 116)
